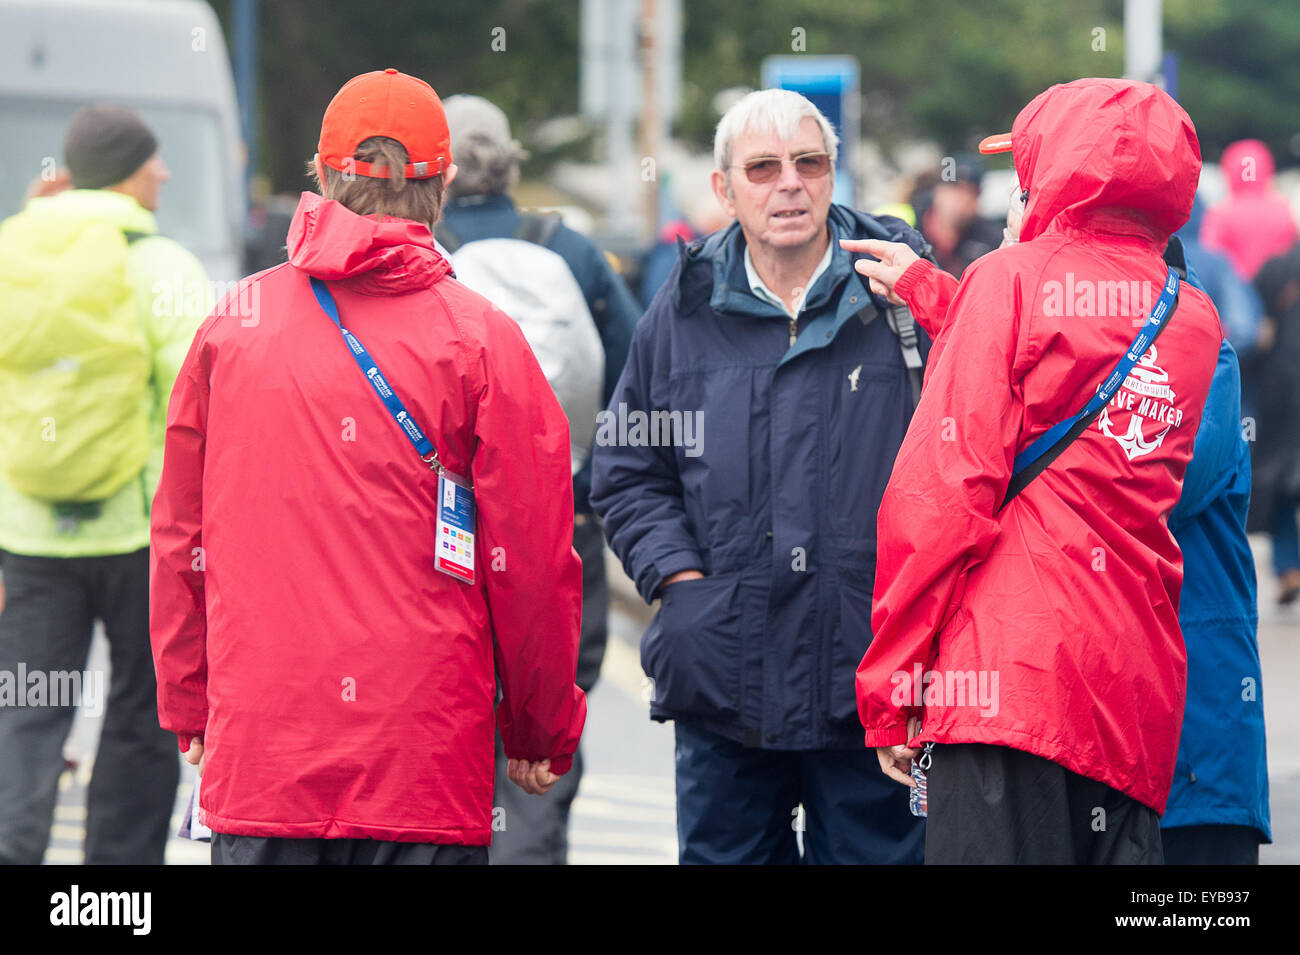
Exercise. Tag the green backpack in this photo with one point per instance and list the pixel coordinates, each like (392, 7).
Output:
(75, 363)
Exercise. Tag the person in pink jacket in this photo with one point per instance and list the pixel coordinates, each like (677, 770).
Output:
(1255, 222)
(365, 522)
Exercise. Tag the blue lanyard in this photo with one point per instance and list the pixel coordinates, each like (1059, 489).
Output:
(1107, 390)
(423, 446)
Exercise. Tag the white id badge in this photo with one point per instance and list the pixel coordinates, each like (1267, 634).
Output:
(455, 527)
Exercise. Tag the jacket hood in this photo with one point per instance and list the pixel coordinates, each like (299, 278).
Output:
(1248, 167)
(383, 256)
(1106, 155)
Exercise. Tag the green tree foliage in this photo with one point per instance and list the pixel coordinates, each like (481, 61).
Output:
(951, 70)
(1238, 76)
(309, 49)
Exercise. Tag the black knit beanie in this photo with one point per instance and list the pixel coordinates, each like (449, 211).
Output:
(106, 144)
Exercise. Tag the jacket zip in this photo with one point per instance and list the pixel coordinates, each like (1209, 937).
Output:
(794, 329)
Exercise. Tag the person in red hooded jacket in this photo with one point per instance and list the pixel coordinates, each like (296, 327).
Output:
(335, 689)
(1037, 644)
(1255, 222)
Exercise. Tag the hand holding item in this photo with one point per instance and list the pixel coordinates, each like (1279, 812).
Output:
(896, 761)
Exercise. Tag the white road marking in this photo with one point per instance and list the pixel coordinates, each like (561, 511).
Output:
(608, 809)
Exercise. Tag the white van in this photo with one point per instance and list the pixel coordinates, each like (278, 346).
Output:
(167, 60)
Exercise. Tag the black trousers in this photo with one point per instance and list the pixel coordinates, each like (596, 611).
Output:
(994, 805)
(536, 828)
(51, 605)
(262, 850)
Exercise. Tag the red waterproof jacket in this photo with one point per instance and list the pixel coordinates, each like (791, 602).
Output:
(343, 687)
(1051, 626)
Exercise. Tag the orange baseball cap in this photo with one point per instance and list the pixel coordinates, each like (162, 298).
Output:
(392, 104)
(1001, 143)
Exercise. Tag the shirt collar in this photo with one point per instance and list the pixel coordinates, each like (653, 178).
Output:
(760, 289)
(481, 200)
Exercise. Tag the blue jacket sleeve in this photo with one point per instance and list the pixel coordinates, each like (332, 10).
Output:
(615, 312)
(1238, 303)
(637, 490)
(613, 306)
(615, 323)
(655, 269)
(1215, 457)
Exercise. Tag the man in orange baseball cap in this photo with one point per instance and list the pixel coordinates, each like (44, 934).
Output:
(391, 104)
(384, 146)
(331, 661)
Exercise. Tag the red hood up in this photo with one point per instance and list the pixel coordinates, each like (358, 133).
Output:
(1248, 167)
(1106, 155)
(383, 256)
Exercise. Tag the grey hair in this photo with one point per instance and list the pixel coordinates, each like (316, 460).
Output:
(486, 167)
(765, 112)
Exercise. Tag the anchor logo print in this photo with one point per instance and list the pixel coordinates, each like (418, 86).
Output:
(1151, 382)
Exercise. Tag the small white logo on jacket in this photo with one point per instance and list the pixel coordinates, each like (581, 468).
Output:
(853, 378)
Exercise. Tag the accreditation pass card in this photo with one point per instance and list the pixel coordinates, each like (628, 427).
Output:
(455, 527)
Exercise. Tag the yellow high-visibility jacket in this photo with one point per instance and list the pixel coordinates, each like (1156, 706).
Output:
(93, 330)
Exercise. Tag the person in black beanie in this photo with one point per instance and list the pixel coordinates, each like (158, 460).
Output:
(105, 309)
(110, 147)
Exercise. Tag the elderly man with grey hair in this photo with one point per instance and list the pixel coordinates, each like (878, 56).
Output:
(477, 220)
(755, 527)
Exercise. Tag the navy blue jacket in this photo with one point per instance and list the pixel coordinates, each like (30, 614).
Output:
(776, 502)
(613, 307)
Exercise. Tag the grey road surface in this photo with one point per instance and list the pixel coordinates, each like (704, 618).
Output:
(624, 812)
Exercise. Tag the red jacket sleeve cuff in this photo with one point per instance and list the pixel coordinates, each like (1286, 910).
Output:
(184, 740)
(890, 736)
(561, 765)
(915, 272)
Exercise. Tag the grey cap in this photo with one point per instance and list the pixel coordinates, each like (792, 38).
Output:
(488, 159)
(106, 144)
(474, 117)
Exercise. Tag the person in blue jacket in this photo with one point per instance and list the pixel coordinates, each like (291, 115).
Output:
(738, 470)
(1217, 812)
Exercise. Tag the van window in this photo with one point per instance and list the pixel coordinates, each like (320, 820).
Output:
(193, 207)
